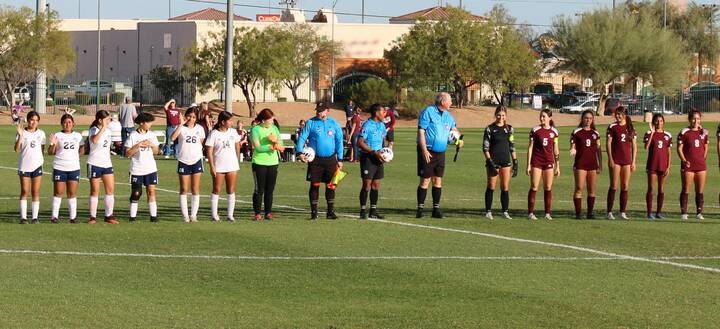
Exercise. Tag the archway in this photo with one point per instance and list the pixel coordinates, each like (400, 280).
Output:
(344, 83)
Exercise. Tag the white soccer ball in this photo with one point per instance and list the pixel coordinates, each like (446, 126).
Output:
(453, 137)
(386, 154)
(309, 154)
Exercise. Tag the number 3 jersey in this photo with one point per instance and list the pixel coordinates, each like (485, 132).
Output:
(622, 142)
(586, 148)
(694, 143)
(67, 157)
(658, 150)
(31, 156)
(99, 155)
(543, 151)
(143, 161)
(224, 155)
(190, 144)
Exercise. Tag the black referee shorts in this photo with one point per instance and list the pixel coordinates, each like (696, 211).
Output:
(322, 170)
(434, 168)
(371, 167)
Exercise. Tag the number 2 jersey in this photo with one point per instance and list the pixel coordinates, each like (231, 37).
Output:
(31, 155)
(143, 161)
(694, 143)
(67, 156)
(658, 151)
(586, 148)
(99, 155)
(190, 144)
(621, 142)
(543, 151)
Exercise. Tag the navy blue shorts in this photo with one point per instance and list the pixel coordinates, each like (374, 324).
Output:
(147, 180)
(184, 169)
(66, 176)
(32, 174)
(98, 172)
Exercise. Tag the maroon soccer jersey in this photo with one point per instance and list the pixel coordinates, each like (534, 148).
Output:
(658, 154)
(622, 140)
(694, 143)
(543, 152)
(586, 147)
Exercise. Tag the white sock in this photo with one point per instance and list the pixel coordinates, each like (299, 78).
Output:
(133, 209)
(195, 205)
(23, 208)
(231, 206)
(35, 209)
(214, 205)
(57, 201)
(93, 206)
(153, 208)
(72, 204)
(109, 205)
(183, 206)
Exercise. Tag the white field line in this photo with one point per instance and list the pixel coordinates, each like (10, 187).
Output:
(556, 245)
(340, 258)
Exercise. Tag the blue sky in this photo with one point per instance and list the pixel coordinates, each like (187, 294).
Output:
(538, 12)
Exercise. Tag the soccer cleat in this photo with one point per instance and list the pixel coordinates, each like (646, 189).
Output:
(257, 217)
(624, 216)
(54, 220)
(610, 216)
(419, 213)
(651, 216)
(193, 219)
(532, 216)
(578, 217)
(34, 221)
(489, 215)
(659, 215)
(111, 220)
(331, 215)
(437, 213)
(153, 219)
(186, 219)
(699, 217)
(683, 217)
(363, 215)
(590, 216)
(132, 219)
(23, 221)
(375, 215)
(313, 215)
(215, 219)
(269, 216)
(230, 219)
(506, 215)
(548, 217)
(73, 221)
(92, 220)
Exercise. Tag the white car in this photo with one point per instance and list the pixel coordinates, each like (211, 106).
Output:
(580, 106)
(22, 93)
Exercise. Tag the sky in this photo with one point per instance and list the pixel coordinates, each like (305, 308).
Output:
(537, 12)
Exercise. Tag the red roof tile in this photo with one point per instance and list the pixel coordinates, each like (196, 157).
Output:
(207, 14)
(433, 13)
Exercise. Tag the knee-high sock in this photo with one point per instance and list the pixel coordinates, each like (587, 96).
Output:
(72, 206)
(699, 202)
(649, 201)
(683, 202)
(93, 205)
(505, 200)
(421, 196)
(547, 195)
(195, 205)
(330, 198)
(184, 206)
(623, 200)
(152, 207)
(231, 206)
(590, 204)
(23, 208)
(35, 209)
(109, 205)
(610, 199)
(314, 194)
(133, 209)
(488, 198)
(57, 201)
(660, 201)
(531, 201)
(214, 199)
(436, 194)
(374, 195)
(363, 197)
(577, 202)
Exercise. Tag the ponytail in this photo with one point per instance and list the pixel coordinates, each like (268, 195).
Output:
(628, 119)
(222, 118)
(549, 114)
(99, 116)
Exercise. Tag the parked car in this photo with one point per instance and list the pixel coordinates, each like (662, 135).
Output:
(585, 95)
(611, 105)
(90, 87)
(579, 107)
(22, 93)
(564, 100)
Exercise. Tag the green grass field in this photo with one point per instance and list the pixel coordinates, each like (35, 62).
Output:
(461, 272)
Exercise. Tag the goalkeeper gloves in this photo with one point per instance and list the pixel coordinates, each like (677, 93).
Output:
(492, 168)
(515, 167)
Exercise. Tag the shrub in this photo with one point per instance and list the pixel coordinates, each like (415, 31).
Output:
(371, 91)
(416, 101)
(117, 98)
(83, 98)
(302, 100)
(49, 102)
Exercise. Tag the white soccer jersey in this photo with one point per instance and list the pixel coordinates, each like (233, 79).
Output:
(67, 156)
(31, 156)
(99, 155)
(223, 144)
(143, 161)
(190, 144)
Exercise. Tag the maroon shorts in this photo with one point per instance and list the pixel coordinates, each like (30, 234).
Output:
(693, 169)
(542, 166)
(659, 173)
(586, 166)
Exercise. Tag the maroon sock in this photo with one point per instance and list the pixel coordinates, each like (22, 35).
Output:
(590, 204)
(699, 202)
(547, 195)
(649, 201)
(683, 202)
(531, 201)
(660, 200)
(610, 199)
(623, 200)
(578, 205)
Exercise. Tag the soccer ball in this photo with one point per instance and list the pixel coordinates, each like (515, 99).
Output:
(309, 154)
(453, 137)
(386, 154)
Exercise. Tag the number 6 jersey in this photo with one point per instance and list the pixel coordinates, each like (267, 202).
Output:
(67, 157)
(31, 156)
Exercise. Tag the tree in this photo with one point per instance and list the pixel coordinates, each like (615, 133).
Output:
(168, 80)
(372, 91)
(448, 53)
(605, 45)
(30, 44)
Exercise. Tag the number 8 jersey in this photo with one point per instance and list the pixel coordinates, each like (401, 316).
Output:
(622, 141)
(694, 143)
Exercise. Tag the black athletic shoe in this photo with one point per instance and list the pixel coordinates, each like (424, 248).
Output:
(437, 213)
(73, 221)
(363, 215)
(132, 219)
(578, 217)
(34, 221)
(591, 216)
(331, 215)
(153, 219)
(23, 221)
(313, 215)
(419, 213)
(375, 215)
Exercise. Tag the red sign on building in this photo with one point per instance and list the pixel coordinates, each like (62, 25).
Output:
(267, 18)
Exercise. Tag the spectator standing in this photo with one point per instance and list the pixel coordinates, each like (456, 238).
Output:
(349, 111)
(127, 115)
(389, 120)
(172, 118)
(116, 133)
(354, 135)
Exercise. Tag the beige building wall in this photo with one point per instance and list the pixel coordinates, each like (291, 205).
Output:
(118, 55)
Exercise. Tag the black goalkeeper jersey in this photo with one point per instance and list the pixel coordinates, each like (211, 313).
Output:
(499, 141)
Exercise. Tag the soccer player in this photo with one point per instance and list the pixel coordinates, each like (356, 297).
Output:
(622, 152)
(356, 122)
(692, 150)
(370, 142)
(326, 137)
(658, 142)
(543, 162)
(67, 146)
(500, 160)
(435, 125)
(100, 168)
(265, 160)
(223, 149)
(390, 121)
(585, 147)
(141, 147)
(30, 142)
(189, 137)
(172, 120)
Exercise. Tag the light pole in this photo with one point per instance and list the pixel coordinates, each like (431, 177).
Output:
(332, 68)
(97, 75)
(229, 57)
(40, 81)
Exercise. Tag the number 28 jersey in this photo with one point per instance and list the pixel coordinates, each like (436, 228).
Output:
(543, 151)
(190, 144)
(622, 142)
(658, 150)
